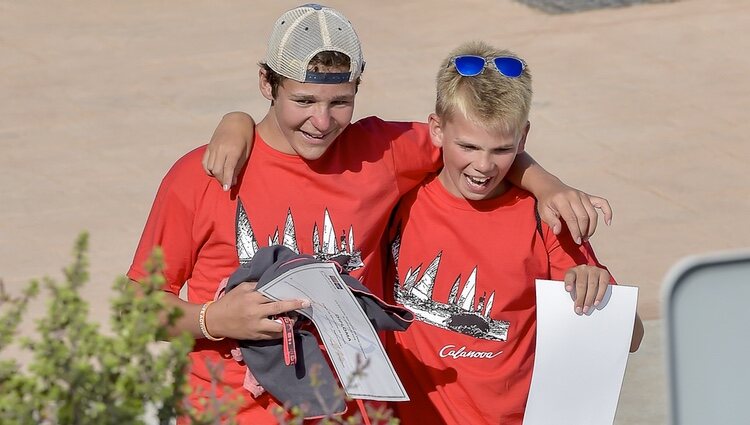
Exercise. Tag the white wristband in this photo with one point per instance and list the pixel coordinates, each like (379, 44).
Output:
(202, 323)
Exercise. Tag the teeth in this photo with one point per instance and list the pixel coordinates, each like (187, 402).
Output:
(312, 136)
(479, 181)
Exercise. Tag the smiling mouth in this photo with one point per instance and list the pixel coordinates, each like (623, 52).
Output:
(478, 182)
(312, 136)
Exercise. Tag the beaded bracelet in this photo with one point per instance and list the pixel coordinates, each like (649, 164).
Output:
(202, 323)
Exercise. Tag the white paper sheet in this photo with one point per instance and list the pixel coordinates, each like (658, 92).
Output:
(344, 328)
(580, 360)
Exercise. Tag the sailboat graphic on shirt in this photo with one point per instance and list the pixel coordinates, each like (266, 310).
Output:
(325, 248)
(461, 312)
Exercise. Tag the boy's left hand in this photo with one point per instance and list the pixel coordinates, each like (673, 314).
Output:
(588, 284)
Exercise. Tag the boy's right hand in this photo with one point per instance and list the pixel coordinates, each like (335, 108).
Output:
(243, 313)
(588, 284)
(229, 148)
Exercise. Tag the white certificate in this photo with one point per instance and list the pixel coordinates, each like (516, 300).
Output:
(347, 333)
(580, 360)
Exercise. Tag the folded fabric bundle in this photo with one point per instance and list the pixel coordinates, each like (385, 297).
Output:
(292, 384)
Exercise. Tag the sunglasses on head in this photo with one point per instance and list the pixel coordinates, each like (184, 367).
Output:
(471, 65)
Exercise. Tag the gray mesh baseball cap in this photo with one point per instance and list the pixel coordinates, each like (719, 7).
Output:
(305, 31)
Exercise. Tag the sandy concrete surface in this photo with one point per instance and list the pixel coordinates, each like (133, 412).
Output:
(646, 105)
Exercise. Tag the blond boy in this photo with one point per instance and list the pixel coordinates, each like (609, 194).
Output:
(469, 355)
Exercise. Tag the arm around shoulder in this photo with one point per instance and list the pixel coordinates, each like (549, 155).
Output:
(229, 148)
(558, 200)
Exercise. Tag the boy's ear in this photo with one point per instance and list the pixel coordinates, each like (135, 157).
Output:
(264, 85)
(436, 130)
(524, 133)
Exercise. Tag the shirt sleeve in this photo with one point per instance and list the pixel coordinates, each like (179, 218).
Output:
(414, 155)
(170, 223)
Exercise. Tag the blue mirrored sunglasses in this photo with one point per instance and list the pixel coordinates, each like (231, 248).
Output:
(471, 66)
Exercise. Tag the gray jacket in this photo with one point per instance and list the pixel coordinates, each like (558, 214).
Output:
(292, 385)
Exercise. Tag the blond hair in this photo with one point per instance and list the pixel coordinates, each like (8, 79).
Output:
(490, 99)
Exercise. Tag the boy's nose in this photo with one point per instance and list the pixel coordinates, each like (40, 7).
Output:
(483, 164)
(321, 119)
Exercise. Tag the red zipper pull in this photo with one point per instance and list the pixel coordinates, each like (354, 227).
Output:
(290, 351)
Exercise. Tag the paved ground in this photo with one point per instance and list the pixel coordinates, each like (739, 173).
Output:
(646, 105)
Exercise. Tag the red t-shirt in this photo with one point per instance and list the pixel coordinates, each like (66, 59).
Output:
(340, 202)
(467, 270)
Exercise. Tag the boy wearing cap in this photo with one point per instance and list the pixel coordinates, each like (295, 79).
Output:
(469, 355)
(319, 185)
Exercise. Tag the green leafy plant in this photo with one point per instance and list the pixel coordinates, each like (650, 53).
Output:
(77, 374)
